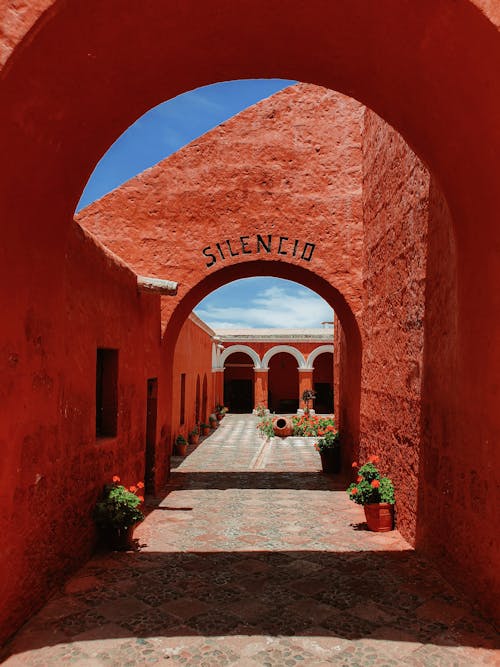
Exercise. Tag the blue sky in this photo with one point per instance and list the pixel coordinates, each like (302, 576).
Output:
(253, 302)
(263, 302)
(170, 126)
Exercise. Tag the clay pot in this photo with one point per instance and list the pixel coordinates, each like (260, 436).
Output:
(181, 449)
(206, 430)
(282, 426)
(194, 439)
(219, 416)
(119, 539)
(379, 517)
(331, 460)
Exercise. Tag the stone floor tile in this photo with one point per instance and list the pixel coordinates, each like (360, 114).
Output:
(254, 557)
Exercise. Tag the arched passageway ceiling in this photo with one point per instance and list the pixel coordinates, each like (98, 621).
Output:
(312, 356)
(288, 349)
(240, 348)
(422, 80)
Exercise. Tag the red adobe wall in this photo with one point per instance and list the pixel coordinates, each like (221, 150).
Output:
(395, 210)
(193, 356)
(411, 356)
(53, 467)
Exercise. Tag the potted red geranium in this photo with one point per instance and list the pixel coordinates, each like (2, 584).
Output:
(376, 494)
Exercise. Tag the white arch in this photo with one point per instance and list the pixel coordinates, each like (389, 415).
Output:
(240, 348)
(283, 348)
(316, 352)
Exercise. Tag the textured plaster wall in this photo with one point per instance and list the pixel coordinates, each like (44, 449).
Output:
(53, 467)
(193, 356)
(458, 475)
(395, 211)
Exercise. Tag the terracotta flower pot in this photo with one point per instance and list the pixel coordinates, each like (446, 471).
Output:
(181, 449)
(219, 416)
(118, 539)
(379, 516)
(282, 426)
(206, 430)
(331, 460)
(194, 439)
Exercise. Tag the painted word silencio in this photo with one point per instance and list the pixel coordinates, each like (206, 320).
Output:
(265, 243)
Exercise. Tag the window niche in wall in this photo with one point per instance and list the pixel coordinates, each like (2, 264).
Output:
(106, 409)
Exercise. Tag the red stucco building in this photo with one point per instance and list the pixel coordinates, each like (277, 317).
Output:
(383, 198)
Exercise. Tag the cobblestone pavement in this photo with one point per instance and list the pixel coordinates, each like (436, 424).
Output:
(254, 557)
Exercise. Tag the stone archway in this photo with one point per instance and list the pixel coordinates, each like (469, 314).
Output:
(421, 81)
(290, 349)
(232, 349)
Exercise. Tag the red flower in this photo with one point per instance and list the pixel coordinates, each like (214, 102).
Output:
(140, 485)
(375, 483)
(320, 432)
(359, 479)
(116, 478)
(354, 465)
(330, 428)
(374, 459)
(354, 491)
(133, 489)
(141, 498)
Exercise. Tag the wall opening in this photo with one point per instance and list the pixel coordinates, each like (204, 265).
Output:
(238, 383)
(183, 399)
(106, 409)
(283, 394)
(323, 383)
(151, 417)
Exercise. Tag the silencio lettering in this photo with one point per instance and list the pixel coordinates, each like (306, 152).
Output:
(258, 244)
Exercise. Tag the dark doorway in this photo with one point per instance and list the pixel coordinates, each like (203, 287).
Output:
(198, 401)
(283, 378)
(323, 383)
(238, 395)
(151, 412)
(324, 397)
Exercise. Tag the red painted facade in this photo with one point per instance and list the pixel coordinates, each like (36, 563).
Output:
(63, 296)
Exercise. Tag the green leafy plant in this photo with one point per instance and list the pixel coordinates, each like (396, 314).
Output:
(308, 395)
(221, 409)
(265, 426)
(261, 411)
(180, 440)
(203, 425)
(119, 506)
(195, 431)
(330, 440)
(370, 486)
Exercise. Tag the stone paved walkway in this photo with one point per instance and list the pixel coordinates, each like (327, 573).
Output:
(254, 557)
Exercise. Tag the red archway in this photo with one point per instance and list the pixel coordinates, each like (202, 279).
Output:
(435, 80)
(352, 375)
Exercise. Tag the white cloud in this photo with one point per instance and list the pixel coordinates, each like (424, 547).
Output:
(273, 307)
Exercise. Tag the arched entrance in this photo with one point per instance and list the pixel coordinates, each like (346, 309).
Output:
(420, 81)
(238, 382)
(351, 371)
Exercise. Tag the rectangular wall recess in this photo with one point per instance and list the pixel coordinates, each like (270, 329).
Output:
(106, 408)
